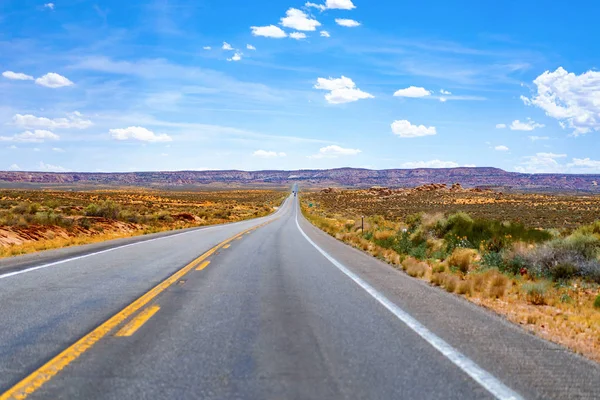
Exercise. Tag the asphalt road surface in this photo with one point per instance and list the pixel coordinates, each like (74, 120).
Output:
(282, 311)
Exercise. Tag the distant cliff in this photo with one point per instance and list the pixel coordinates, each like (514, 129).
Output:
(349, 177)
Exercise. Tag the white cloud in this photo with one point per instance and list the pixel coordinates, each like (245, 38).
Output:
(542, 162)
(412, 91)
(442, 91)
(139, 133)
(325, 34)
(297, 19)
(341, 90)
(432, 164)
(53, 80)
(268, 154)
(528, 125)
(585, 163)
(250, 47)
(36, 136)
(500, 126)
(443, 99)
(405, 129)
(207, 48)
(17, 76)
(52, 168)
(270, 31)
(536, 138)
(58, 150)
(335, 151)
(574, 100)
(333, 4)
(349, 23)
(298, 35)
(226, 46)
(73, 120)
(14, 167)
(49, 5)
(339, 4)
(12, 147)
(236, 57)
(501, 148)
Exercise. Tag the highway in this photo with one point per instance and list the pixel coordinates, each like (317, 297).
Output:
(270, 308)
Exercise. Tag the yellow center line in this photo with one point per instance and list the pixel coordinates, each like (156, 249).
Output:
(47, 371)
(138, 321)
(203, 265)
(226, 246)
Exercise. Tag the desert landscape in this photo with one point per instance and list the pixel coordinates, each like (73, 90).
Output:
(532, 258)
(34, 220)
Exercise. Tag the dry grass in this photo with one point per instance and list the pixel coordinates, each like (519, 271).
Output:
(34, 220)
(462, 259)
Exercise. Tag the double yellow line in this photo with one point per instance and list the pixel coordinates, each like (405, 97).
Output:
(46, 372)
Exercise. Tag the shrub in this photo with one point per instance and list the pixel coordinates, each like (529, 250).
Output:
(450, 283)
(107, 209)
(597, 302)
(437, 278)
(462, 259)
(563, 271)
(536, 293)
(464, 287)
(478, 282)
(498, 285)
(493, 260)
(513, 265)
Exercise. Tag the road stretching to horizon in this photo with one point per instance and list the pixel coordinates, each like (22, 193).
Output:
(270, 308)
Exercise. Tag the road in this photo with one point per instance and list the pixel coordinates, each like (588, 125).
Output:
(271, 308)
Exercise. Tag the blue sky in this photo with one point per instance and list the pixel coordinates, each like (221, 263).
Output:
(206, 84)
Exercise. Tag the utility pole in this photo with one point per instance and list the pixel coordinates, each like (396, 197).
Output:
(362, 224)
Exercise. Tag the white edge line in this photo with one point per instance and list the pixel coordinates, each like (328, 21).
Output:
(24, 271)
(479, 375)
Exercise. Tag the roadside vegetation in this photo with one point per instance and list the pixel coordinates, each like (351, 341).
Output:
(33, 220)
(545, 277)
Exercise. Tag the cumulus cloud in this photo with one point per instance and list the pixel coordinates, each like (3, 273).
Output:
(501, 148)
(341, 90)
(139, 133)
(500, 126)
(58, 150)
(250, 47)
(207, 48)
(298, 35)
(585, 163)
(226, 46)
(74, 120)
(573, 100)
(442, 91)
(335, 151)
(405, 129)
(528, 125)
(270, 31)
(53, 80)
(431, 164)
(236, 57)
(325, 34)
(268, 154)
(17, 76)
(49, 6)
(349, 23)
(297, 19)
(542, 162)
(412, 91)
(52, 168)
(36, 136)
(332, 5)
(14, 167)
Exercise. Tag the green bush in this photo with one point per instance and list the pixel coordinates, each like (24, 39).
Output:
(597, 302)
(536, 293)
(493, 260)
(563, 271)
(107, 209)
